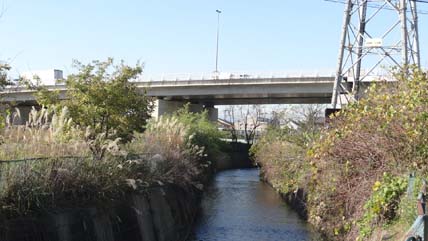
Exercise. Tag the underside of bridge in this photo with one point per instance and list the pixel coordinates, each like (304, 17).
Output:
(225, 100)
(167, 107)
(170, 105)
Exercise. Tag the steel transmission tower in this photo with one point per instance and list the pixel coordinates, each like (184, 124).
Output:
(375, 34)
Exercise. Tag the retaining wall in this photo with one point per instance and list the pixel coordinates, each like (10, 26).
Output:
(161, 213)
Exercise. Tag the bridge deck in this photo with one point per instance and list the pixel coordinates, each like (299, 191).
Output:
(219, 91)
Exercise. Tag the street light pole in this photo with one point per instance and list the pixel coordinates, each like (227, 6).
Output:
(218, 33)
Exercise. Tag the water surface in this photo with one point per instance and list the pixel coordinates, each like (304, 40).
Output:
(237, 206)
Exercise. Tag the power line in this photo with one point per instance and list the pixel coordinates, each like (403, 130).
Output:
(386, 8)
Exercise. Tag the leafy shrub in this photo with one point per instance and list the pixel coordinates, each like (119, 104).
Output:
(383, 203)
(203, 132)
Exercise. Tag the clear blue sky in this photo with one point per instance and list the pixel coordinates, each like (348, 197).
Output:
(175, 36)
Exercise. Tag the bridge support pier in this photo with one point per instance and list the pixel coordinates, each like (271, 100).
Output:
(168, 107)
(212, 112)
(162, 107)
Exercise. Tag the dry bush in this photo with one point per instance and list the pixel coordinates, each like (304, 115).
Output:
(282, 162)
(281, 151)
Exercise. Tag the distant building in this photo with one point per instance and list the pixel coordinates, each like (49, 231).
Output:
(44, 77)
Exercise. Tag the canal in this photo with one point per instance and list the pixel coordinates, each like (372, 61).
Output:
(238, 206)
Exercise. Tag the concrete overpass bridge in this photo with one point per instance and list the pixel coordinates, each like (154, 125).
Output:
(285, 90)
(203, 92)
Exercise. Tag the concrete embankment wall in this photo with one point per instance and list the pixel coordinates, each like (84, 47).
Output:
(237, 157)
(295, 199)
(161, 213)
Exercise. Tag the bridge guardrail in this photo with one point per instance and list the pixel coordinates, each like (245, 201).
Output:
(163, 83)
(321, 79)
(256, 75)
(236, 75)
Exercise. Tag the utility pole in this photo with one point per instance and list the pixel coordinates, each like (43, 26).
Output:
(364, 49)
(216, 51)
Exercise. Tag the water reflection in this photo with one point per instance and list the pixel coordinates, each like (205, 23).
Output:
(237, 206)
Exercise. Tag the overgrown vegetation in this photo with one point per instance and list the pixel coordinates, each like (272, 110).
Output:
(96, 145)
(354, 173)
(383, 133)
(202, 132)
(167, 143)
(48, 163)
(282, 149)
(281, 153)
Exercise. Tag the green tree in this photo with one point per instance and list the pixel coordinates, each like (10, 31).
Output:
(101, 95)
(4, 81)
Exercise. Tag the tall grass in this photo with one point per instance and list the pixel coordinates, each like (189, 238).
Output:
(49, 163)
(45, 134)
(169, 151)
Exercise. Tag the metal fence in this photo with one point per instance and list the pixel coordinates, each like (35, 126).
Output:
(419, 229)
